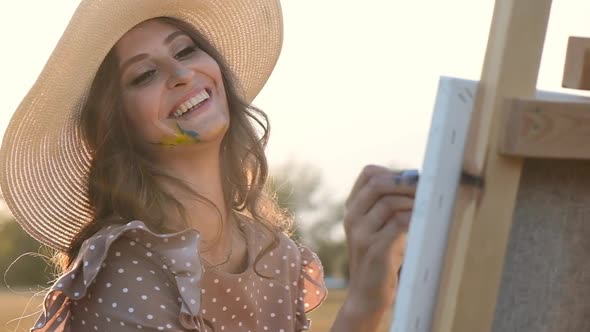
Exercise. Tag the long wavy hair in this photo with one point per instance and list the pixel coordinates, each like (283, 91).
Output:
(124, 185)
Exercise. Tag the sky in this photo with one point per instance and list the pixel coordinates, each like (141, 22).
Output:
(356, 81)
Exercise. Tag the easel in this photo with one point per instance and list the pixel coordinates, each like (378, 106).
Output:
(501, 236)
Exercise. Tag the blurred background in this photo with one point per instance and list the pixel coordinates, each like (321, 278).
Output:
(355, 85)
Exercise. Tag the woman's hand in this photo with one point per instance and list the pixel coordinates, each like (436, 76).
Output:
(376, 221)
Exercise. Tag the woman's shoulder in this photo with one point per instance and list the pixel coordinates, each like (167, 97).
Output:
(278, 247)
(132, 247)
(126, 274)
(296, 267)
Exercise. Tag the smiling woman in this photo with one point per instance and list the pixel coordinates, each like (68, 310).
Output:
(150, 181)
(171, 86)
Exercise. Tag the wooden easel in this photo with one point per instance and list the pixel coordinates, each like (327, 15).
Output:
(517, 254)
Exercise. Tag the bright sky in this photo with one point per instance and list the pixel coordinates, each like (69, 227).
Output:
(356, 81)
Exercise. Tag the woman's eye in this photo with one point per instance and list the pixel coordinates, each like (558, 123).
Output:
(186, 52)
(143, 77)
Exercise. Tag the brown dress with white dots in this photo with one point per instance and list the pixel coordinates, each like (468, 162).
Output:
(127, 278)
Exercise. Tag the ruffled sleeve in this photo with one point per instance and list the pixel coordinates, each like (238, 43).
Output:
(311, 288)
(126, 278)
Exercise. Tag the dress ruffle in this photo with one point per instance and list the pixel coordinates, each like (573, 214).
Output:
(164, 248)
(312, 290)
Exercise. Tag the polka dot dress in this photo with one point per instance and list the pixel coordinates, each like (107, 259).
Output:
(126, 278)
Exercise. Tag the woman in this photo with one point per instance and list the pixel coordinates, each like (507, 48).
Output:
(138, 157)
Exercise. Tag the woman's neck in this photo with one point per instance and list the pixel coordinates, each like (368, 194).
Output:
(221, 242)
(201, 171)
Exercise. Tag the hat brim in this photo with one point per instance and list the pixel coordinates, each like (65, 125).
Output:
(45, 161)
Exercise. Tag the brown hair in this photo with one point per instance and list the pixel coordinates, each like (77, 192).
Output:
(122, 182)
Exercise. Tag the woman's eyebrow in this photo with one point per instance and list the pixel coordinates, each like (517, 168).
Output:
(142, 56)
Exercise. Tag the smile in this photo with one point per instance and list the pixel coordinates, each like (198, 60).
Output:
(192, 103)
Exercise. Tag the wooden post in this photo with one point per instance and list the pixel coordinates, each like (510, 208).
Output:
(576, 74)
(483, 216)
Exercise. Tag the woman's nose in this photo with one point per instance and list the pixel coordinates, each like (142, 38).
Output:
(180, 76)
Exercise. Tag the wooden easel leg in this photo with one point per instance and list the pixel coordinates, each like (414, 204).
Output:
(482, 219)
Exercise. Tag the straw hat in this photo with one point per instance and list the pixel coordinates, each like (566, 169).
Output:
(43, 157)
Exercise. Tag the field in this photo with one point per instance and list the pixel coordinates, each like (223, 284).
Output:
(13, 306)
(323, 316)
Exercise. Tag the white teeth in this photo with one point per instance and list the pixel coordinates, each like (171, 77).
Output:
(192, 102)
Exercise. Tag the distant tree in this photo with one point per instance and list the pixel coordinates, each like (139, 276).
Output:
(298, 189)
(296, 186)
(327, 236)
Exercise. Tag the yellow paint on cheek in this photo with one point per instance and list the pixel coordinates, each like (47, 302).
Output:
(181, 136)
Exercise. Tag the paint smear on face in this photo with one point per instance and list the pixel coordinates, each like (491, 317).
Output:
(182, 136)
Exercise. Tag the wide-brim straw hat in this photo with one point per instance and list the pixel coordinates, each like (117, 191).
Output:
(44, 159)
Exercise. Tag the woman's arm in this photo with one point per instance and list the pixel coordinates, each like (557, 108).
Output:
(377, 217)
(351, 318)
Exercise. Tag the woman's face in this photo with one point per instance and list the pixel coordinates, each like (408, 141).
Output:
(172, 91)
